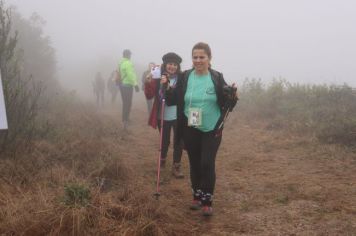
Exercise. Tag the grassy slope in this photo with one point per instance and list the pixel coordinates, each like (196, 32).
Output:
(268, 183)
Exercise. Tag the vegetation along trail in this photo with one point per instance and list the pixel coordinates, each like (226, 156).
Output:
(287, 161)
(269, 182)
(89, 177)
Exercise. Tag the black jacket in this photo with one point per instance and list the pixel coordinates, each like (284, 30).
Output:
(176, 97)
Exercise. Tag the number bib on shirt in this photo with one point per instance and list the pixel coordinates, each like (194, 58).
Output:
(195, 116)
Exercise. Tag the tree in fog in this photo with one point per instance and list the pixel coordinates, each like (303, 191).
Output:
(27, 67)
(38, 55)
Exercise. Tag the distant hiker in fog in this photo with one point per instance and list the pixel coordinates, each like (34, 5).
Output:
(201, 103)
(146, 79)
(128, 80)
(112, 87)
(99, 89)
(169, 70)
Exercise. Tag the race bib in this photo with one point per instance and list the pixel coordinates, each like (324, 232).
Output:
(195, 117)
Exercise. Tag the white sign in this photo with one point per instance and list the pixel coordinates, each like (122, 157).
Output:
(3, 119)
(156, 72)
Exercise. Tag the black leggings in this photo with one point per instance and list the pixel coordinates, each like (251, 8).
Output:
(202, 148)
(168, 125)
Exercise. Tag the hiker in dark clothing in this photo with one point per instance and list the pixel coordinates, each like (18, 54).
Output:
(99, 89)
(112, 87)
(145, 79)
(170, 68)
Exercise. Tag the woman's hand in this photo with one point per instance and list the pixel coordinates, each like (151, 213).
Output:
(236, 93)
(164, 81)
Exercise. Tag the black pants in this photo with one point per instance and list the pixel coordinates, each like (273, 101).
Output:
(168, 125)
(202, 148)
(126, 95)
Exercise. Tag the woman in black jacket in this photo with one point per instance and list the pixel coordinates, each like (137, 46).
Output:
(201, 106)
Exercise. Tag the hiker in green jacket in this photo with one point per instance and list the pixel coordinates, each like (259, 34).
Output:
(127, 84)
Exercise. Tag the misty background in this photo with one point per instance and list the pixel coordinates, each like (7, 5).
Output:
(302, 41)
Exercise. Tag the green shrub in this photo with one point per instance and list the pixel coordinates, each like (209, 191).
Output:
(76, 195)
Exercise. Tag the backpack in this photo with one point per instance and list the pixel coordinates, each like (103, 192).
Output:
(151, 89)
(118, 77)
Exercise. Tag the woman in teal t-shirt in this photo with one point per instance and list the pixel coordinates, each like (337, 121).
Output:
(201, 106)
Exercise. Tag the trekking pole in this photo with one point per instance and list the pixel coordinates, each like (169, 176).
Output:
(224, 119)
(232, 91)
(157, 194)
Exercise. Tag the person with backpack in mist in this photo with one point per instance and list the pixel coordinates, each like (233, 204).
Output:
(145, 79)
(203, 99)
(169, 69)
(99, 89)
(112, 87)
(128, 82)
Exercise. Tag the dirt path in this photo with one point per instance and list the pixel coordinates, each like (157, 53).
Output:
(268, 182)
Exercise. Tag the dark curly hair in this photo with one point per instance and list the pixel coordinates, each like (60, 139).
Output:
(203, 46)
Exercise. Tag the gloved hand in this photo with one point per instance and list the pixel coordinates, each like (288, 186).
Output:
(137, 89)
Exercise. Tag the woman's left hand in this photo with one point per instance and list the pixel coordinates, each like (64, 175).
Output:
(236, 93)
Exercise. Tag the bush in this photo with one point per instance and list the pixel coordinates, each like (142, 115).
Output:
(76, 195)
(328, 112)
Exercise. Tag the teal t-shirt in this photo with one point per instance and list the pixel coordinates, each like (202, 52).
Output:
(201, 94)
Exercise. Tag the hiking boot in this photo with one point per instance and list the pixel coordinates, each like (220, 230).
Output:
(176, 171)
(207, 211)
(163, 163)
(196, 205)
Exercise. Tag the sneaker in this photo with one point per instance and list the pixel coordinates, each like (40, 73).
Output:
(176, 171)
(196, 205)
(207, 211)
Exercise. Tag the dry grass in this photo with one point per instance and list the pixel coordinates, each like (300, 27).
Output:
(268, 183)
(89, 152)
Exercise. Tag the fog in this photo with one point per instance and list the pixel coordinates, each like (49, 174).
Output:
(307, 41)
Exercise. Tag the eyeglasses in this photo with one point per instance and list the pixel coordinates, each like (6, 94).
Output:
(200, 57)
